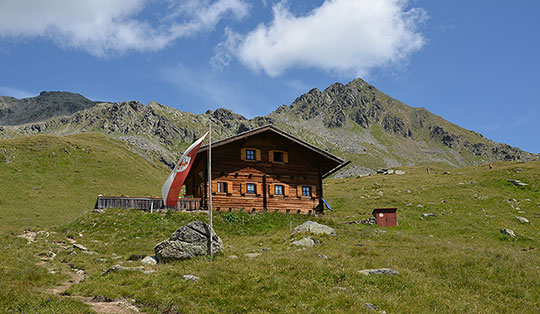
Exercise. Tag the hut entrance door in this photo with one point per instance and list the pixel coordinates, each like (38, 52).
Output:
(264, 191)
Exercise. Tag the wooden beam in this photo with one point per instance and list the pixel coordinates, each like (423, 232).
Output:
(336, 169)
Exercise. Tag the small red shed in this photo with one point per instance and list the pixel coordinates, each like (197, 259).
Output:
(386, 217)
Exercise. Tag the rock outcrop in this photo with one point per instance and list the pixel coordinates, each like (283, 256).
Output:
(189, 241)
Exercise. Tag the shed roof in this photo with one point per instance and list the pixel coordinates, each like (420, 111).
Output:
(389, 209)
(327, 157)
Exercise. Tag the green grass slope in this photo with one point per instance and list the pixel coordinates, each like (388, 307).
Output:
(454, 262)
(48, 180)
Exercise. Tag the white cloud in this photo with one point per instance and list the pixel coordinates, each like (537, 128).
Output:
(223, 56)
(101, 27)
(345, 36)
(205, 15)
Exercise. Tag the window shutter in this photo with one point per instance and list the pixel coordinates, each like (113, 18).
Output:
(243, 188)
(214, 187)
(258, 154)
(299, 191)
(271, 189)
(271, 156)
(229, 187)
(243, 154)
(285, 190)
(285, 157)
(258, 189)
(312, 191)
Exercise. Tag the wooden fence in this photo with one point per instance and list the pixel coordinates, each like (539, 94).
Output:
(144, 203)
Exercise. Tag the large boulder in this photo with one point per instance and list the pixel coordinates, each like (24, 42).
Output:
(187, 242)
(316, 228)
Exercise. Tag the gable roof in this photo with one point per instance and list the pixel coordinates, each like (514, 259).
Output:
(272, 129)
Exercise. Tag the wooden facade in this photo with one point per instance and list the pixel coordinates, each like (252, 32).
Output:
(265, 169)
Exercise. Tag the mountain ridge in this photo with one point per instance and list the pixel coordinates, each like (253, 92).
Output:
(353, 120)
(46, 105)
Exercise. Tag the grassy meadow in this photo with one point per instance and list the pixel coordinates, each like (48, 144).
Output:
(454, 262)
(47, 180)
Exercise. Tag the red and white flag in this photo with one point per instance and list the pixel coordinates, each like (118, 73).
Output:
(171, 188)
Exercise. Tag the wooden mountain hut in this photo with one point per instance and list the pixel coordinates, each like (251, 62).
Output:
(265, 169)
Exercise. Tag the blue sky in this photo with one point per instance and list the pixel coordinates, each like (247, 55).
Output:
(475, 63)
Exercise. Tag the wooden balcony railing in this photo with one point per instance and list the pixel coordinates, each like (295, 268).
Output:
(144, 203)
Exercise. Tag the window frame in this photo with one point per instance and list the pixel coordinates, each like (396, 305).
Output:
(248, 184)
(256, 154)
(222, 187)
(279, 189)
(280, 154)
(284, 156)
(253, 155)
(307, 188)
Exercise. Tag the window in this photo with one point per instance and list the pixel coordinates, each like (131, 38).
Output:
(306, 190)
(250, 154)
(250, 188)
(278, 156)
(278, 190)
(222, 187)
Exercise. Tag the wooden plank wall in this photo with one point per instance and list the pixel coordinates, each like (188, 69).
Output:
(144, 203)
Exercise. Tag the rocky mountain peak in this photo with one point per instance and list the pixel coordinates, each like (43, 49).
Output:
(223, 115)
(46, 105)
(359, 84)
(334, 89)
(356, 100)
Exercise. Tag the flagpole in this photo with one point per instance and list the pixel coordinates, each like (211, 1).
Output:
(210, 184)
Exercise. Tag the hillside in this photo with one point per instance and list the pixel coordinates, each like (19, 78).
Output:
(374, 130)
(15, 111)
(355, 121)
(48, 179)
(455, 260)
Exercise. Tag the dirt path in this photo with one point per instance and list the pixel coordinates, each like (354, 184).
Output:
(121, 306)
(99, 305)
(77, 276)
